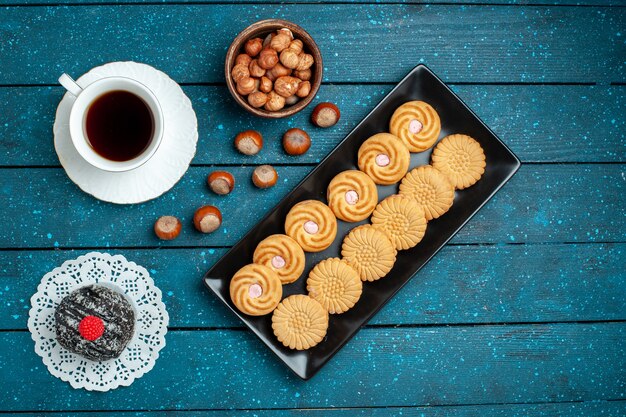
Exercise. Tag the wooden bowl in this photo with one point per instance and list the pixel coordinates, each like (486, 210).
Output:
(260, 30)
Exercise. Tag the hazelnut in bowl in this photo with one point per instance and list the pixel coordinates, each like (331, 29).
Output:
(273, 68)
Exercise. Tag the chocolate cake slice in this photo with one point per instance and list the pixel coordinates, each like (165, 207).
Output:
(95, 322)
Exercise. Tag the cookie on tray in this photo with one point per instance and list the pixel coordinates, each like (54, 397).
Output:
(385, 158)
(370, 251)
(417, 124)
(281, 254)
(312, 224)
(299, 322)
(255, 290)
(430, 188)
(352, 195)
(402, 219)
(335, 284)
(461, 159)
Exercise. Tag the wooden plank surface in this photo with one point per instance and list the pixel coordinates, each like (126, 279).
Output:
(469, 2)
(570, 409)
(588, 127)
(542, 203)
(222, 369)
(521, 315)
(460, 43)
(462, 284)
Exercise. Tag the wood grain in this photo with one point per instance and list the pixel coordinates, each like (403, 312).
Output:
(225, 369)
(542, 203)
(461, 285)
(480, 2)
(570, 409)
(459, 43)
(587, 127)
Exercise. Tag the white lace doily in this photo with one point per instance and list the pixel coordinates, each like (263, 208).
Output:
(115, 272)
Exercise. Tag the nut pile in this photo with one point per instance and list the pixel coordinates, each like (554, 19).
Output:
(273, 73)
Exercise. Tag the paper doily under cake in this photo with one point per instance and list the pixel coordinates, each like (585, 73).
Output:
(117, 273)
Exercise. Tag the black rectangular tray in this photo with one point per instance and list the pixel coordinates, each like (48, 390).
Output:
(456, 117)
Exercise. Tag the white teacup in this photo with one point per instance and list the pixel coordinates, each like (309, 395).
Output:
(85, 96)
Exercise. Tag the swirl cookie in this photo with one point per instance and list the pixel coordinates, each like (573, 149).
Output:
(430, 189)
(370, 251)
(335, 285)
(385, 158)
(352, 196)
(402, 219)
(461, 159)
(300, 322)
(283, 255)
(417, 124)
(312, 224)
(255, 290)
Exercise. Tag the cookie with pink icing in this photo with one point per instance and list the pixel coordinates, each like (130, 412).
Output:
(312, 224)
(256, 290)
(352, 195)
(385, 158)
(283, 255)
(417, 124)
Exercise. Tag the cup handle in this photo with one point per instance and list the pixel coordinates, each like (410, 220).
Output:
(70, 85)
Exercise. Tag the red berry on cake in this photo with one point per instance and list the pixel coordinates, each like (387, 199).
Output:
(91, 328)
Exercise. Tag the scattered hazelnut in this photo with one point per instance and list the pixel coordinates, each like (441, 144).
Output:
(291, 100)
(255, 69)
(265, 85)
(239, 71)
(249, 142)
(264, 176)
(254, 46)
(268, 58)
(246, 85)
(275, 101)
(296, 45)
(257, 99)
(243, 59)
(304, 75)
(296, 141)
(303, 89)
(280, 42)
(306, 60)
(207, 219)
(286, 86)
(167, 227)
(289, 58)
(279, 70)
(221, 182)
(325, 115)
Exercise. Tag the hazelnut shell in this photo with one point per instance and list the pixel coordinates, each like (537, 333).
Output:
(221, 182)
(249, 142)
(167, 227)
(325, 115)
(264, 176)
(207, 219)
(296, 141)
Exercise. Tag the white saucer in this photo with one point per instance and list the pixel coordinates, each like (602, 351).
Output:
(166, 166)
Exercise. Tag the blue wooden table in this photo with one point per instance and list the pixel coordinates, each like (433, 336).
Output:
(523, 313)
